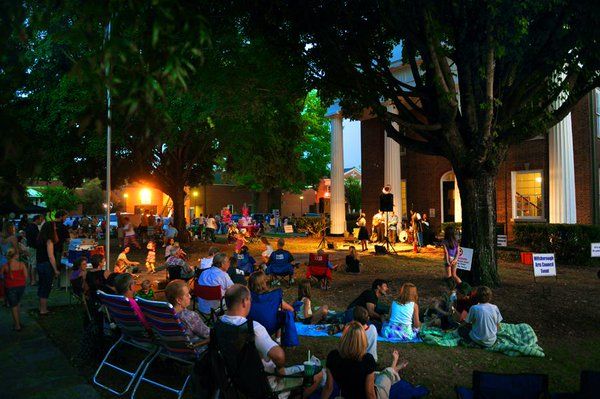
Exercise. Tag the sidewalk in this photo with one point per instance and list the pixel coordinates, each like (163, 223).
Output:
(30, 365)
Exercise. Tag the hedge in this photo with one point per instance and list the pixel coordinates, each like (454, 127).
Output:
(312, 225)
(569, 242)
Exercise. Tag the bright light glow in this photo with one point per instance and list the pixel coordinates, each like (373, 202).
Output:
(538, 179)
(125, 195)
(301, 197)
(145, 196)
(195, 193)
(327, 194)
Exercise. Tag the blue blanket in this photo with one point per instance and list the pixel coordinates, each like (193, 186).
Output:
(320, 330)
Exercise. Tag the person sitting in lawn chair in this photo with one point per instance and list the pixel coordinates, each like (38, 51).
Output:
(319, 268)
(280, 263)
(245, 262)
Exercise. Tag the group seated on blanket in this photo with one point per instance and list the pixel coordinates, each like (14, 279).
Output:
(404, 322)
(369, 299)
(452, 307)
(319, 268)
(483, 321)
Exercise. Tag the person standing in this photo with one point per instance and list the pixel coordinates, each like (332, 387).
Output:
(451, 254)
(378, 226)
(363, 233)
(129, 231)
(47, 266)
(392, 226)
(211, 226)
(15, 280)
(32, 230)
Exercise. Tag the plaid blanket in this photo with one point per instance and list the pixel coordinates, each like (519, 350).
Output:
(513, 340)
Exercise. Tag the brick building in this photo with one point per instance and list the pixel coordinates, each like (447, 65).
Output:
(553, 178)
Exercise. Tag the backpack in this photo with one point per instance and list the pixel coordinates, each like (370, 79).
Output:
(232, 364)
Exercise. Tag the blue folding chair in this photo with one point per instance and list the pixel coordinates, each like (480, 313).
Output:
(133, 334)
(245, 263)
(500, 386)
(265, 309)
(174, 343)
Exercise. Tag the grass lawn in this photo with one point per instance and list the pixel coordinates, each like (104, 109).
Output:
(564, 313)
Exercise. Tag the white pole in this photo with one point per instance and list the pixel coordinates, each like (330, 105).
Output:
(108, 154)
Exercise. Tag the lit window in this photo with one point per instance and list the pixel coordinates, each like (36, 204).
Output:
(528, 195)
(145, 196)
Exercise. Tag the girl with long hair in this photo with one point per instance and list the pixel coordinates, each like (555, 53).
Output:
(451, 253)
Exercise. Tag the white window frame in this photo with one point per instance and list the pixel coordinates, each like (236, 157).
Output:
(513, 189)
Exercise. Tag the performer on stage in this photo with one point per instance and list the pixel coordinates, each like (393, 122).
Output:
(379, 226)
(392, 226)
(363, 234)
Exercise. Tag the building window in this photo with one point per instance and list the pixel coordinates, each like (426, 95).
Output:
(597, 111)
(528, 194)
(403, 196)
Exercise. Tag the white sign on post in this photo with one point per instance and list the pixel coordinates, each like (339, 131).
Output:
(431, 212)
(596, 250)
(502, 240)
(465, 258)
(288, 229)
(544, 265)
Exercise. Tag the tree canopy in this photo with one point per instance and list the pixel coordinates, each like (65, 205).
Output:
(486, 75)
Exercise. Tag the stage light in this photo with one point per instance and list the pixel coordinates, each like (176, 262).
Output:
(195, 193)
(125, 195)
(145, 196)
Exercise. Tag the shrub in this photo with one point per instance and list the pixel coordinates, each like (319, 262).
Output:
(312, 225)
(569, 242)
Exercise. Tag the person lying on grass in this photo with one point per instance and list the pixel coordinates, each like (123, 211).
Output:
(353, 369)
(177, 294)
(483, 320)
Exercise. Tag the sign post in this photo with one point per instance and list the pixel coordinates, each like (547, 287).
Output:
(288, 229)
(544, 265)
(502, 240)
(596, 250)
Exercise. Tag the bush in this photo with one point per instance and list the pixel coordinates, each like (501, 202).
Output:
(569, 242)
(313, 225)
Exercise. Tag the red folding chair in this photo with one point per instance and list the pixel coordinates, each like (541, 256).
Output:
(209, 293)
(318, 269)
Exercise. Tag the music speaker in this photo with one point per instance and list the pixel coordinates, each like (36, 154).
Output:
(380, 250)
(386, 202)
(330, 245)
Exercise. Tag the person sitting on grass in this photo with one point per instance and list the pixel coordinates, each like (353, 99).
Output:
(404, 315)
(442, 311)
(369, 299)
(280, 261)
(305, 313)
(14, 273)
(483, 320)
(146, 291)
(466, 297)
(177, 294)
(124, 284)
(131, 265)
(353, 369)
(352, 261)
(362, 316)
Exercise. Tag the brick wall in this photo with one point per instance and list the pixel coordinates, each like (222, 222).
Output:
(372, 152)
(582, 152)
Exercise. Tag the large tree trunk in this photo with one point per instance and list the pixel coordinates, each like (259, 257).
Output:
(478, 199)
(178, 197)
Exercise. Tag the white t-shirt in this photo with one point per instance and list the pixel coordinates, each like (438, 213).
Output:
(267, 252)
(213, 276)
(263, 341)
(123, 256)
(211, 223)
(128, 229)
(205, 263)
(485, 318)
(371, 333)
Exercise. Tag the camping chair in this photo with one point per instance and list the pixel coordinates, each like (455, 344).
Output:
(318, 268)
(209, 293)
(244, 264)
(174, 343)
(265, 309)
(174, 272)
(498, 386)
(278, 274)
(133, 334)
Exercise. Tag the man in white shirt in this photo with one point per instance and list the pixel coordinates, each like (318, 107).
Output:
(205, 263)
(215, 275)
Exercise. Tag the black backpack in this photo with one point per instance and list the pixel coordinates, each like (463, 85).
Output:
(232, 364)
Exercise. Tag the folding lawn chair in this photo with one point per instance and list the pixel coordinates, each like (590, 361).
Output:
(265, 309)
(209, 293)
(318, 269)
(244, 263)
(174, 343)
(500, 386)
(133, 334)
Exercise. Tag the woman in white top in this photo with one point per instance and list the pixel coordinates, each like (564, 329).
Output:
(363, 234)
(404, 315)
(268, 249)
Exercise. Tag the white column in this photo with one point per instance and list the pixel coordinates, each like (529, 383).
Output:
(392, 173)
(338, 212)
(562, 173)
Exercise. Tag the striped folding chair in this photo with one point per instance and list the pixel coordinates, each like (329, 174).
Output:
(174, 343)
(133, 334)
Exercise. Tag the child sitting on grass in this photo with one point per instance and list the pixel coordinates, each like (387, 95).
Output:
(404, 315)
(146, 291)
(362, 316)
(483, 320)
(305, 312)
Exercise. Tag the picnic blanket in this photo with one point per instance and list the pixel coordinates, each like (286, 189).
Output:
(513, 339)
(320, 330)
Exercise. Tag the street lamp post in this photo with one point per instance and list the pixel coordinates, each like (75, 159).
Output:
(301, 207)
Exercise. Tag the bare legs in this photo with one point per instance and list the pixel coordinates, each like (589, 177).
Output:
(16, 317)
